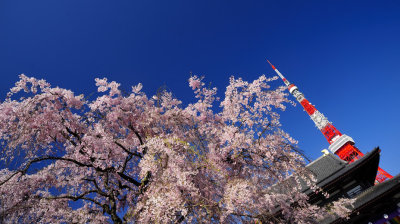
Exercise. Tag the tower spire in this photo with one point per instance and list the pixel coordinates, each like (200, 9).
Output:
(340, 144)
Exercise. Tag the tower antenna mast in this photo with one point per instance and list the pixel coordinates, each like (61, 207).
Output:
(340, 144)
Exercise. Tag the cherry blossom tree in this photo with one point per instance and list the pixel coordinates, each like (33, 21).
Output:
(128, 158)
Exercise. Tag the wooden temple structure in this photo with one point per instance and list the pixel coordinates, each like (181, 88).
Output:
(374, 203)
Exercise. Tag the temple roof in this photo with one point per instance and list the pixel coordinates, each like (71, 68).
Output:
(331, 172)
(326, 166)
(371, 203)
(377, 191)
(336, 175)
(329, 168)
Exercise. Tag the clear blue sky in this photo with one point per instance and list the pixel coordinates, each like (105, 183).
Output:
(343, 55)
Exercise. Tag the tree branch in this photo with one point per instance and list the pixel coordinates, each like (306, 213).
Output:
(98, 189)
(24, 170)
(127, 151)
(129, 179)
(75, 198)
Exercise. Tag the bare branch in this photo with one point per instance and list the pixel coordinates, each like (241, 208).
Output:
(78, 197)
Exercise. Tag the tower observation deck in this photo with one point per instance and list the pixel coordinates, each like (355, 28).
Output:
(340, 144)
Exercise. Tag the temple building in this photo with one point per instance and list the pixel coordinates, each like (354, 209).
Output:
(374, 203)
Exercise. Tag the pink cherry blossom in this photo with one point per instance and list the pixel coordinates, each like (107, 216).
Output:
(138, 159)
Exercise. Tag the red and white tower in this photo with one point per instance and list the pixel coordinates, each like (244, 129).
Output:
(340, 144)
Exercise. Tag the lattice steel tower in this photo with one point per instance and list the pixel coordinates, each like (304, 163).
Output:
(340, 144)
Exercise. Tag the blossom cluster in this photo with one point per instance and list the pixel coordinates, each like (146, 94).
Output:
(139, 159)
